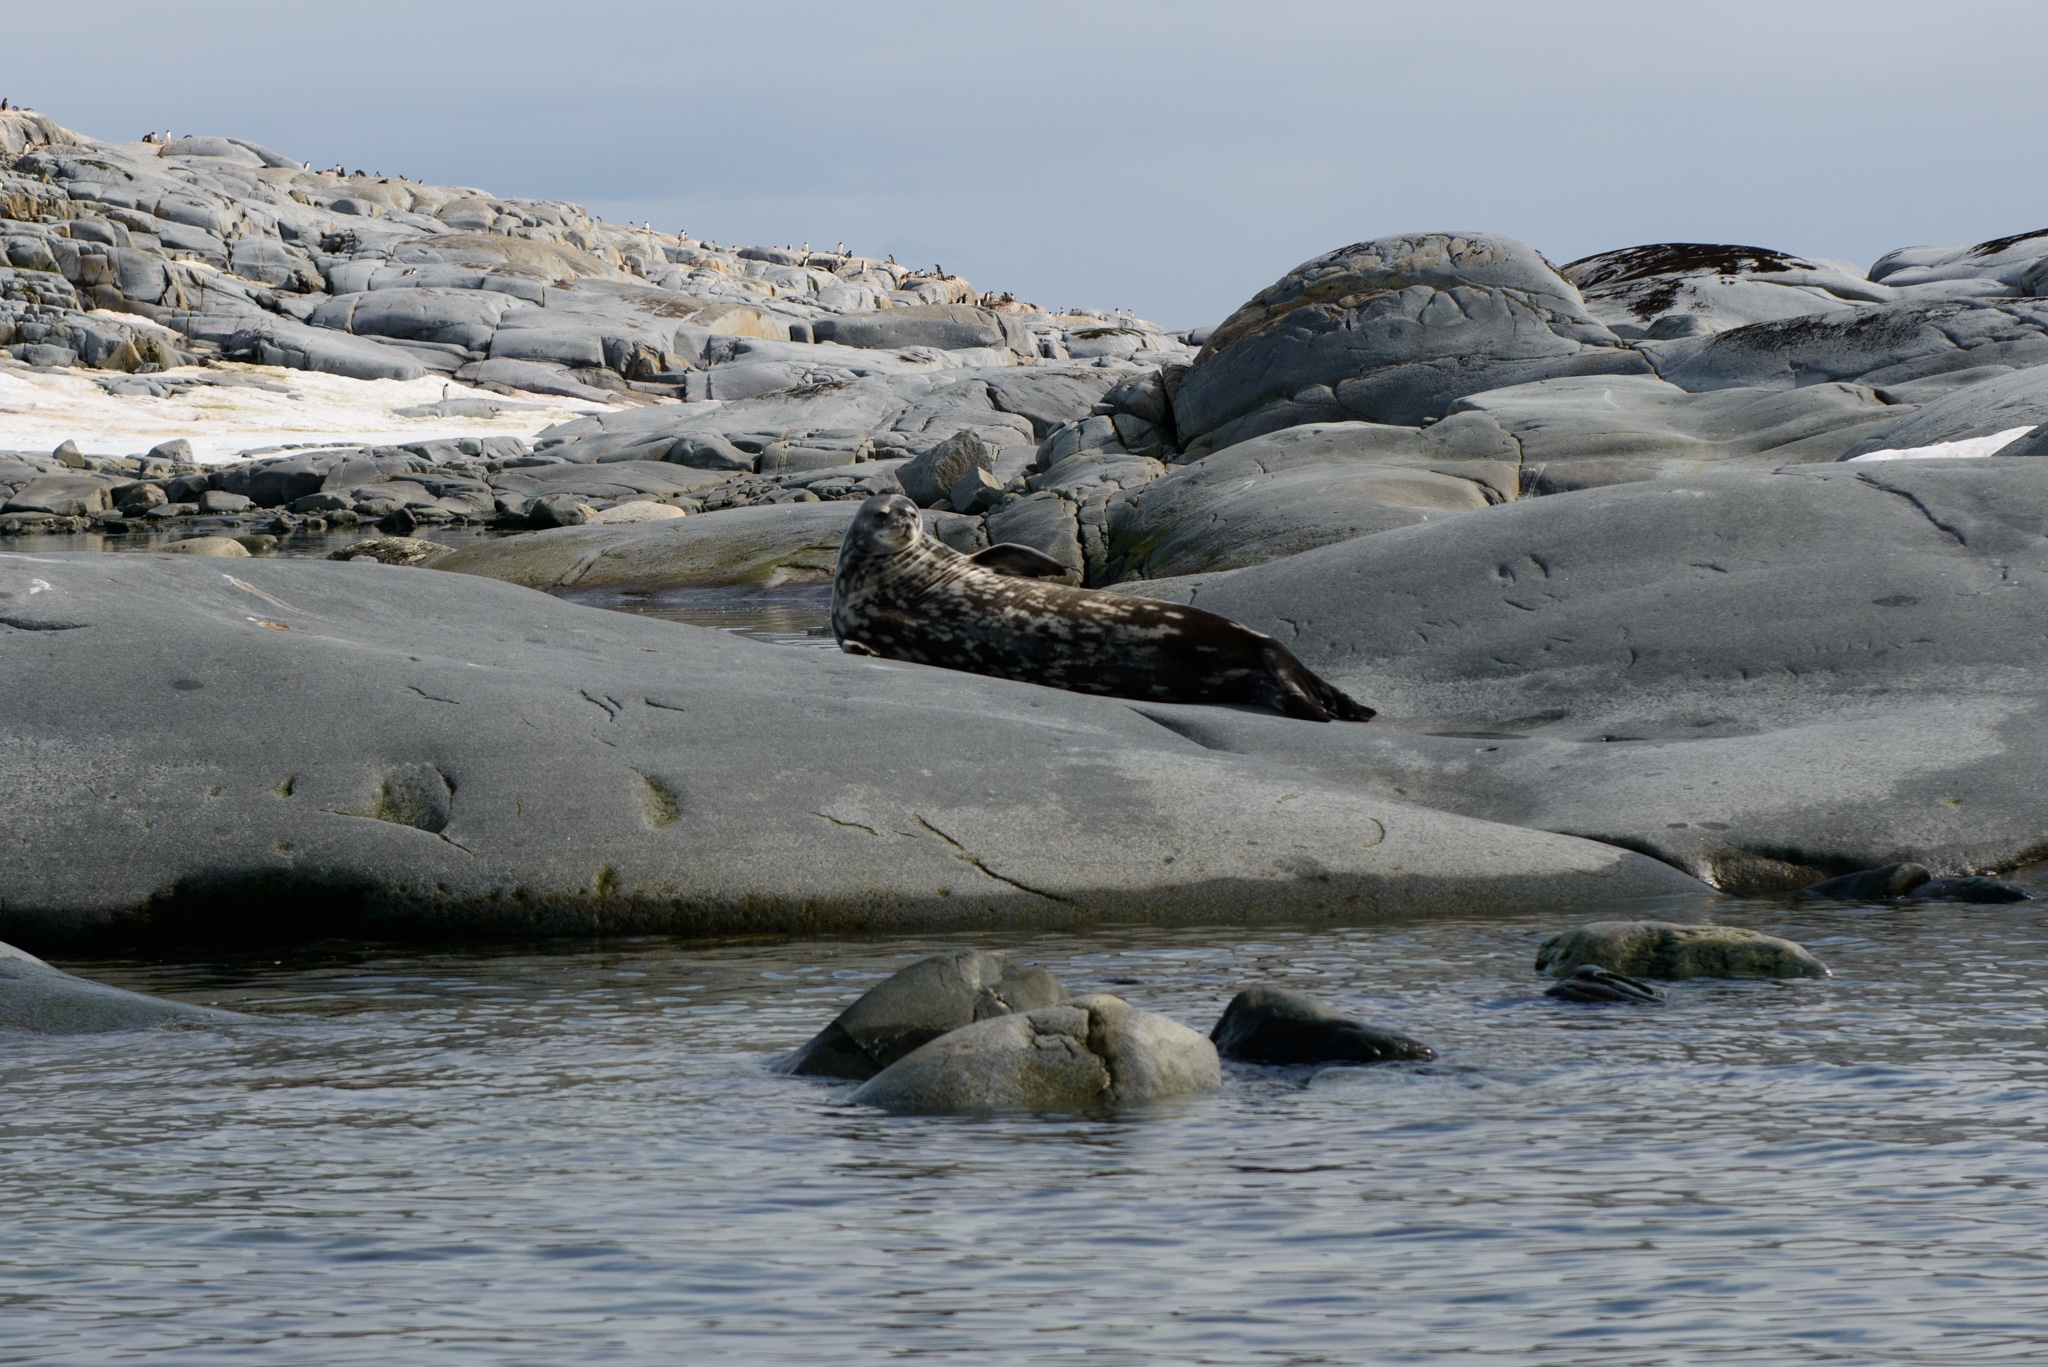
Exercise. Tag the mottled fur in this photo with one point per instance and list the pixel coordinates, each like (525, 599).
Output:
(901, 594)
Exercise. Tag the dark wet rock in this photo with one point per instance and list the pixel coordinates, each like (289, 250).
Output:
(1084, 1054)
(1593, 985)
(558, 510)
(1391, 331)
(1664, 949)
(1970, 889)
(1762, 678)
(933, 996)
(41, 1000)
(451, 755)
(1871, 885)
(1275, 1025)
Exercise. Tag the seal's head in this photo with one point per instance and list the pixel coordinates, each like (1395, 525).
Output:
(885, 525)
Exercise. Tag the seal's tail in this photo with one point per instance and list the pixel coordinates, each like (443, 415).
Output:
(1299, 691)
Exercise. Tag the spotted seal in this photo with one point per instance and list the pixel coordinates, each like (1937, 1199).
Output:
(901, 594)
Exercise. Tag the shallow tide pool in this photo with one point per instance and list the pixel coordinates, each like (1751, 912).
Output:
(577, 1153)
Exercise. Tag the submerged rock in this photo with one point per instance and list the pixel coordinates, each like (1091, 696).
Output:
(932, 997)
(393, 550)
(1089, 1052)
(1970, 890)
(1594, 985)
(42, 1000)
(1870, 885)
(1664, 949)
(1274, 1025)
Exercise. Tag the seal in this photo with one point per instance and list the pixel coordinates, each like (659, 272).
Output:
(903, 595)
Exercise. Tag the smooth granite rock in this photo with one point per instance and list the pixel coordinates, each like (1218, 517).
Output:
(911, 1008)
(1764, 678)
(41, 1000)
(1275, 1025)
(1579, 433)
(1391, 331)
(1088, 1053)
(1882, 347)
(793, 543)
(214, 546)
(2013, 404)
(1663, 949)
(1688, 289)
(362, 748)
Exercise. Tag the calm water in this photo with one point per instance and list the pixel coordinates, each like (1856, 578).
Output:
(576, 1154)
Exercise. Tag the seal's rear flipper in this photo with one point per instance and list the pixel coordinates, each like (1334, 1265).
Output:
(1020, 562)
(1298, 691)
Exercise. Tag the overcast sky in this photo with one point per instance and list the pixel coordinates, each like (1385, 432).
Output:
(1171, 158)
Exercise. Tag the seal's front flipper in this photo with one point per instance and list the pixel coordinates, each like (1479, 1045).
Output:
(1297, 691)
(856, 648)
(1020, 562)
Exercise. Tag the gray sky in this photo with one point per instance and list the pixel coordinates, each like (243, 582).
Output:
(1172, 158)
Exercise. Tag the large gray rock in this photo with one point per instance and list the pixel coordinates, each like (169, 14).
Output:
(946, 326)
(935, 995)
(42, 1000)
(1883, 346)
(2007, 265)
(1391, 331)
(929, 479)
(2002, 404)
(1088, 1053)
(359, 748)
(1763, 678)
(1303, 487)
(1581, 433)
(1686, 289)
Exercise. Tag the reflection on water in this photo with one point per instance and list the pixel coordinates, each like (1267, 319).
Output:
(303, 545)
(576, 1153)
(790, 615)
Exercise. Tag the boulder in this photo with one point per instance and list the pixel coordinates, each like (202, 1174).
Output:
(2006, 265)
(1664, 949)
(2007, 406)
(1274, 1025)
(928, 479)
(1583, 433)
(446, 755)
(630, 514)
(1085, 1054)
(1688, 289)
(1765, 678)
(1293, 490)
(61, 495)
(1391, 331)
(216, 546)
(948, 327)
(1882, 346)
(41, 1000)
(934, 996)
(392, 550)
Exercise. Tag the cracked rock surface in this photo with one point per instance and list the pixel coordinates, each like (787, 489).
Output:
(349, 747)
(1090, 1052)
(1766, 678)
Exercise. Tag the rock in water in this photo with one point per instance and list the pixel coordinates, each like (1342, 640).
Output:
(1914, 882)
(48, 1001)
(1663, 949)
(932, 997)
(1274, 1025)
(393, 550)
(220, 546)
(1594, 985)
(1871, 885)
(1970, 890)
(901, 595)
(1090, 1052)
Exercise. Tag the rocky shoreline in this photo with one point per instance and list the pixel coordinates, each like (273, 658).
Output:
(1677, 569)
